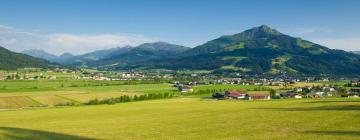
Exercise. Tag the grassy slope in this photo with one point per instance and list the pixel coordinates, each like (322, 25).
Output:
(189, 118)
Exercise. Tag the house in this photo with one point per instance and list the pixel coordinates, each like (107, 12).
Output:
(2, 78)
(297, 96)
(313, 95)
(259, 96)
(287, 95)
(355, 92)
(236, 94)
(290, 95)
(184, 89)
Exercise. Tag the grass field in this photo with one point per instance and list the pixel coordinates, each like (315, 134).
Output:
(189, 118)
(23, 94)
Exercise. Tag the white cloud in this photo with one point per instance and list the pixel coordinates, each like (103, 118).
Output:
(349, 44)
(306, 31)
(58, 43)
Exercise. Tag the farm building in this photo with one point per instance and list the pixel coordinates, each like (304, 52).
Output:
(236, 94)
(290, 95)
(259, 96)
(184, 89)
(355, 92)
(313, 95)
(242, 95)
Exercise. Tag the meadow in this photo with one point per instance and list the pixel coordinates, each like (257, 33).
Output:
(189, 118)
(47, 93)
(32, 113)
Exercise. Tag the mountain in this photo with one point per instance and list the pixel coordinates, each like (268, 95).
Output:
(88, 58)
(39, 54)
(10, 60)
(141, 53)
(257, 51)
(356, 52)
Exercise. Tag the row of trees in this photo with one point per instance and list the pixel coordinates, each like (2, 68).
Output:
(127, 98)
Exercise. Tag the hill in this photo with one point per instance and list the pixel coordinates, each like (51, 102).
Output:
(10, 60)
(356, 52)
(257, 51)
(141, 53)
(39, 54)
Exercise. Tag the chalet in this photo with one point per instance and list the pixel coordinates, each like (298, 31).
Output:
(259, 96)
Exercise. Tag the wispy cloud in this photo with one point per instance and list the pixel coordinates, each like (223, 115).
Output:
(349, 43)
(306, 31)
(57, 43)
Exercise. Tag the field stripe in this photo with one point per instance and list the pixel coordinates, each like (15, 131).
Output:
(32, 99)
(68, 99)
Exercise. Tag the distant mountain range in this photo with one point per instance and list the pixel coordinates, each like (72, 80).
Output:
(118, 55)
(255, 51)
(356, 52)
(10, 61)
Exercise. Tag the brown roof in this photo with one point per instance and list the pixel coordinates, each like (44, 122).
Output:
(234, 92)
(259, 95)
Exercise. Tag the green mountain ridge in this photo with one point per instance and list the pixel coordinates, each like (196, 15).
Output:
(10, 61)
(257, 51)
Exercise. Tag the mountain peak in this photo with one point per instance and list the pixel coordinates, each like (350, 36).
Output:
(264, 29)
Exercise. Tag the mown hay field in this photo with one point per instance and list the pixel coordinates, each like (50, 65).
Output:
(190, 118)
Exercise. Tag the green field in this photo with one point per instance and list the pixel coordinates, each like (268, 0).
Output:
(46, 93)
(28, 113)
(189, 118)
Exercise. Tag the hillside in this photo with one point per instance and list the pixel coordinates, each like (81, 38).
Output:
(356, 52)
(141, 53)
(10, 60)
(39, 54)
(261, 50)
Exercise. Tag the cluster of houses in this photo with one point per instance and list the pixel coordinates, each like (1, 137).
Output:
(311, 92)
(26, 76)
(241, 95)
(354, 83)
(354, 92)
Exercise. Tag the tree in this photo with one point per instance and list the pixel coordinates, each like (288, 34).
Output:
(273, 93)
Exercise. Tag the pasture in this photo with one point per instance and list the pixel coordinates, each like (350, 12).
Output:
(189, 118)
(47, 93)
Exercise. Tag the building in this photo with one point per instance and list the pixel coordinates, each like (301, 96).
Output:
(355, 92)
(259, 96)
(184, 89)
(290, 95)
(242, 95)
(236, 94)
(313, 95)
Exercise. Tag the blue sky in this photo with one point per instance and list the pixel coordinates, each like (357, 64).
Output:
(80, 26)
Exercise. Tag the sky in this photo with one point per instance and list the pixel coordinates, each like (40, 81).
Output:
(79, 26)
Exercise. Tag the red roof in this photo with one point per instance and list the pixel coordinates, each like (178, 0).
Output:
(234, 92)
(259, 95)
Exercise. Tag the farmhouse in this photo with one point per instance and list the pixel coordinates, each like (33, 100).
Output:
(355, 92)
(184, 89)
(290, 95)
(241, 95)
(236, 94)
(313, 95)
(259, 96)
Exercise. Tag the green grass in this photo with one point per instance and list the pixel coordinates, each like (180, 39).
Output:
(227, 87)
(15, 102)
(21, 93)
(189, 118)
